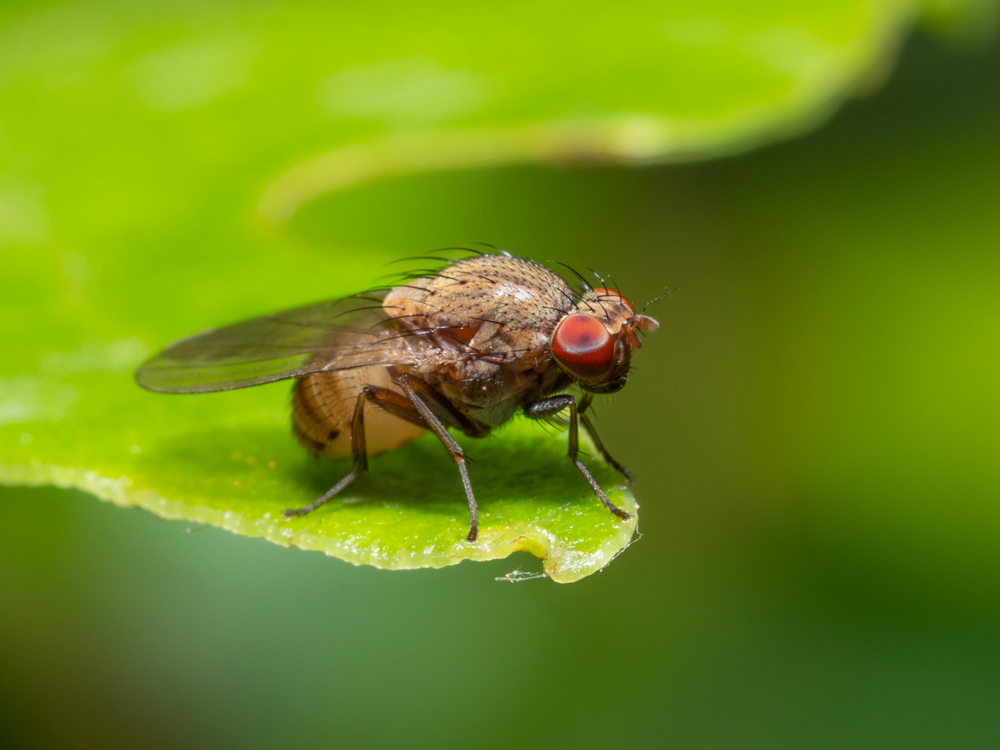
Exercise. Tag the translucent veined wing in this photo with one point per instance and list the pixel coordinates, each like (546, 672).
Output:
(333, 335)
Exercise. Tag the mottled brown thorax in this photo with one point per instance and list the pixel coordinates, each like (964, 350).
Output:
(500, 313)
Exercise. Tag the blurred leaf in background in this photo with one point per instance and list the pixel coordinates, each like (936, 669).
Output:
(814, 429)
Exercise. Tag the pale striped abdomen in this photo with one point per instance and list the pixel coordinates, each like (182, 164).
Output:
(323, 408)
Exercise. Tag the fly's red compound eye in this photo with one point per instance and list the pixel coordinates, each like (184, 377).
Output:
(583, 345)
(603, 291)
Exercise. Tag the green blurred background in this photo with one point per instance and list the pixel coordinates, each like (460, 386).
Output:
(815, 429)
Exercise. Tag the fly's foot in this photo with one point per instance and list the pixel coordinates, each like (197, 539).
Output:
(625, 516)
(473, 522)
(359, 466)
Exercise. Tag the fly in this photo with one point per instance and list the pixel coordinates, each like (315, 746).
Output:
(465, 347)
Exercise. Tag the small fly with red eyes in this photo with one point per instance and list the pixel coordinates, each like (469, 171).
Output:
(465, 347)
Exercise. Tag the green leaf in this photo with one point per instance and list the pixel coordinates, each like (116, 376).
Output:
(409, 512)
(151, 157)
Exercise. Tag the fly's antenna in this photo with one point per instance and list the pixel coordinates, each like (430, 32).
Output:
(667, 291)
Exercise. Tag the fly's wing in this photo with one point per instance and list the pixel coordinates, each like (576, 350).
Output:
(333, 335)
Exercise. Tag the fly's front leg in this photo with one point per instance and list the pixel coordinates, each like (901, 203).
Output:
(410, 387)
(592, 431)
(547, 407)
(390, 401)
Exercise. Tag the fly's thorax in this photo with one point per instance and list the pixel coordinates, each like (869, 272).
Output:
(490, 392)
(491, 305)
(593, 342)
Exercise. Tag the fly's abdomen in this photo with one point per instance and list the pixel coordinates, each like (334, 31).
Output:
(323, 407)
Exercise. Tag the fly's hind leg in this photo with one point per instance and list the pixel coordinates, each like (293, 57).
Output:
(410, 387)
(412, 409)
(548, 407)
(388, 400)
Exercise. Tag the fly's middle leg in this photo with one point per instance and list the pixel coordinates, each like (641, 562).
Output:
(548, 407)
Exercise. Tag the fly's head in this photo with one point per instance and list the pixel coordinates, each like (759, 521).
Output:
(593, 342)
